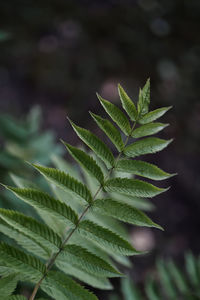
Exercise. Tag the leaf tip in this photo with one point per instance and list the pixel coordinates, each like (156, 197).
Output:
(98, 96)
(71, 122)
(4, 185)
(91, 114)
(36, 166)
(166, 189)
(28, 162)
(158, 226)
(172, 175)
(63, 142)
(121, 275)
(119, 87)
(101, 99)
(170, 141)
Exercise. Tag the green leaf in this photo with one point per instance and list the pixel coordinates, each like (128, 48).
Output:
(91, 182)
(86, 161)
(12, 130)
(22, 240)
(21, 182)
(105, 238)
(146, 146)
(60, 286)
(21, 262)
(8, 285)
(127, 103)
(154, 115)
(192, 268)
(34, 119)
(110, 130)
(46, 203)
(116, 115)
(82, 275)
(148, 129)
(16, 297)
(63, 165)
(104, 220)
(64, 195)
(5, 271)
(123, 212)
(142, 168)
(90, 246)
(144, 99)
(56, 223)
(122, 260)
(66, 182)
(133, 187)
(92, 141)
(166, 279)
(139, 203)
(35, 230)
(129, 290)
(151, 290)
(178, 278)
(80, 257)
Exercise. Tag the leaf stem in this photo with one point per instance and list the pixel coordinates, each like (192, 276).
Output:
(51, 261)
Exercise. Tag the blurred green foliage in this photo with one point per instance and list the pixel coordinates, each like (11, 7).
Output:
(167, 282)
(21, 141)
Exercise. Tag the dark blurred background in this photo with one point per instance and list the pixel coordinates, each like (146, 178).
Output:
(59, 53)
